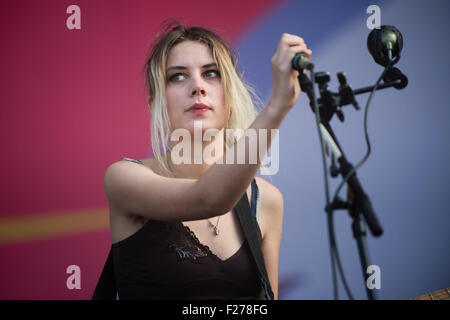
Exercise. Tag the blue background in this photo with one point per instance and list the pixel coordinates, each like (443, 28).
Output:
(407, 173)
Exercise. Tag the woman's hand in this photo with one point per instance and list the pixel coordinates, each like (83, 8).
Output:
(286, 88)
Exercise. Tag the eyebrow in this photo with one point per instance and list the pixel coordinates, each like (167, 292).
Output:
(184, 68)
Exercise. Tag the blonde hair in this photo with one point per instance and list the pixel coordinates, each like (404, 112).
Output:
(238, 94)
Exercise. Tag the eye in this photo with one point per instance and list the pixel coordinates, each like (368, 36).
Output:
(176, 77)
(212, 74)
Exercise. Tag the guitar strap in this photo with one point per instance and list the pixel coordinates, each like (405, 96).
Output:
(252, 232)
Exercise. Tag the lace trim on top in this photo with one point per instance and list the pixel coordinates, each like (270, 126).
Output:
(208, 251)
(188, 246)
(185, 243)
(204, 248)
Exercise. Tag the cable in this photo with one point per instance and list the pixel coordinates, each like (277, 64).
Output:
(369, 148)
(334, 253)
(330, 218)
(341, 271)
(327, 195)
(333, 246)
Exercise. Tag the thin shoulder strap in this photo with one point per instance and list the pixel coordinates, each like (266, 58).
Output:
(255, 194)
(133, 160)
(253, 235)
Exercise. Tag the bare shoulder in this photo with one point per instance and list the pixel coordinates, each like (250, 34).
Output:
(271, 196)
(124, 175)
(271, 225)
(271, 211)
(121, 179)
(116, 175)
(123, 223)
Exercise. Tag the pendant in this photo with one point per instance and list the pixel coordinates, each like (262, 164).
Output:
(216, 231)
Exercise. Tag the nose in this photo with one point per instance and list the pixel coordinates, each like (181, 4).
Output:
(198, 88)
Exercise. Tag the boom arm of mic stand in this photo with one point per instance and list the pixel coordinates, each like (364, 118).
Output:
(381, 86)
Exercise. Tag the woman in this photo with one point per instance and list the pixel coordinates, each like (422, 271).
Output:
(174, 223)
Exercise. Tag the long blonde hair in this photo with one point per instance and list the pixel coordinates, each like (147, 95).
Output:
(238, 94)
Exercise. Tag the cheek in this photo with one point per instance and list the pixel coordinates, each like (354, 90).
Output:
(173, 98)
(172, 106)
(170, 98)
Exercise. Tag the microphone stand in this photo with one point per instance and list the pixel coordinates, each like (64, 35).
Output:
(329, 104)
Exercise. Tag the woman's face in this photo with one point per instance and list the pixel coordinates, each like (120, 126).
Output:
(193, 78)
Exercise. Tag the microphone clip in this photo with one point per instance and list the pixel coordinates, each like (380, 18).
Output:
(331, 103)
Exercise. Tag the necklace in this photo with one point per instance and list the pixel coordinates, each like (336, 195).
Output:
(216, 230)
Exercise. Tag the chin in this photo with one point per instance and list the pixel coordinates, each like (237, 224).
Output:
(206, 124)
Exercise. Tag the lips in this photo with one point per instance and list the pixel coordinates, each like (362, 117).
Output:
(199, 107)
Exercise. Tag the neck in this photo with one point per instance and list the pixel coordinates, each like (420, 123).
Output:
(191, 159)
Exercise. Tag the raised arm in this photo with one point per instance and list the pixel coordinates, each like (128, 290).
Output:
(138, 190)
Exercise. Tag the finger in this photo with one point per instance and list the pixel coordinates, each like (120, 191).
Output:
(294, 42)
(298, 49)
(285, 52)
(291, 39)
(302, 49)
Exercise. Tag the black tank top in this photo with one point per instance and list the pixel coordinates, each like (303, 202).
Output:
(167, 261)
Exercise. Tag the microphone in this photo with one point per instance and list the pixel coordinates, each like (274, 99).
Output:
(301, 61)
(385, 44)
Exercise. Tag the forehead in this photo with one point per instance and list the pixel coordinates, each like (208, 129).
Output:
(189, 53)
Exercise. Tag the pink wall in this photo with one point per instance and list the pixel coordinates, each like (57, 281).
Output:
(73, 102)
